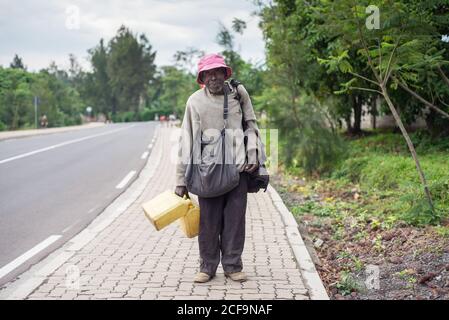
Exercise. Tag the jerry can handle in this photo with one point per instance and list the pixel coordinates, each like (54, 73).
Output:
(184, 197)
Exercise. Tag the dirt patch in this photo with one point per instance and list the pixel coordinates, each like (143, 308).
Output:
(365, 261)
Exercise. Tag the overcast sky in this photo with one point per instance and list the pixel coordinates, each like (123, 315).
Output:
(48, 30)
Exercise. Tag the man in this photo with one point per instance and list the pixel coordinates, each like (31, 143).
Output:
(222, 218)
(44, 121)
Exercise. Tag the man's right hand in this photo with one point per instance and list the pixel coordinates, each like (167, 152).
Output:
(181, 191)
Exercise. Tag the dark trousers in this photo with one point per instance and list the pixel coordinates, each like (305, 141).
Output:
(222, 229)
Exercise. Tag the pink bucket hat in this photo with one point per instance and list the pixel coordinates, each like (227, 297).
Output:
(212, 61)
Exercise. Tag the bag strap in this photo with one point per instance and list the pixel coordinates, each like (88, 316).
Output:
(235, 83)
(225, 107)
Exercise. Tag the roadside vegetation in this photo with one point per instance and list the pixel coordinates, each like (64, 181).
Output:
(370, 211)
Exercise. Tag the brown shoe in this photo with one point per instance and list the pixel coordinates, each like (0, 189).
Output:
(237, 276)
(202, 277)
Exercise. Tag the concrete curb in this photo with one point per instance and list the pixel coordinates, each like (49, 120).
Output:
(6, 135)
(309, 274)
(36, 275)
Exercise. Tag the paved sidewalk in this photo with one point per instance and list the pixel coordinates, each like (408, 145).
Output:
(129, 259)
(4, 135)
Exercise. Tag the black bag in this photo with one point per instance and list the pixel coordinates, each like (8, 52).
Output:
(259, 179)
(212, 178)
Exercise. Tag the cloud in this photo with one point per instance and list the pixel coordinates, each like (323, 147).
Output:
(45, 31)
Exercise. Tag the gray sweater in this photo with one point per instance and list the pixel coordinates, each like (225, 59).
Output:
(203, 120)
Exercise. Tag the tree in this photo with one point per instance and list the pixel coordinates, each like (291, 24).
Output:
(59, 99)
(226, 39)
(17, 63)
(186, 59)
(298, 94)
(15, 96)
(171, 89)
(431, 87)
(402, 48)
(246, 72)
(130, 66)
(97, 84)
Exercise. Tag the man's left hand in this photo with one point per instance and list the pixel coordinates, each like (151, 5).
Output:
(250, 168)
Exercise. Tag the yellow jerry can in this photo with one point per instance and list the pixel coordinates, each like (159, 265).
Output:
(166, 208)
(190, 223)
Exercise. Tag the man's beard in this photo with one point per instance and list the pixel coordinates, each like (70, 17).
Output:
(216, 87)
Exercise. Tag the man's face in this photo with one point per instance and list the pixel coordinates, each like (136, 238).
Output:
(214, 80)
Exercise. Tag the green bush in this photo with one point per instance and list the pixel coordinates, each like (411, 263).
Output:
(72, 121)
(128, 116)
(28, 126)
(3, 126)
(351, 169)
(419, 212)
(148, 114)
(388, 172)
(320, 151)
(348, 283)
(315, 149)
(385, 171)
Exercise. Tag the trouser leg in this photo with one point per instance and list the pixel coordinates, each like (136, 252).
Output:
(211, 213)
(233, 229)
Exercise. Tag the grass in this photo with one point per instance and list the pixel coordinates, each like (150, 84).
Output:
(348, 284)
(383, 172)
(409, 276)
(443, 231)
(367, 198)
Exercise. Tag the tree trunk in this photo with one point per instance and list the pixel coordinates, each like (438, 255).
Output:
(357, 107)
(436, 126)
(443, 75)
(348, 123)
(114, 106)
(15, 116)
(374, 111)
(410, 145)
(427, 103)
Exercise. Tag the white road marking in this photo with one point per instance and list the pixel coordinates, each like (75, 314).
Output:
(91, 210)
(70, 227)
(150, 146)
(145, 155)
(125, 180)
(27, 255)
(61, 145)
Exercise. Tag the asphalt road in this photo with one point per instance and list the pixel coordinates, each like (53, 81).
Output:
(53, 186)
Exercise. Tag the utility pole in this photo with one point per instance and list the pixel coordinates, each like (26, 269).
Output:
(35, 111)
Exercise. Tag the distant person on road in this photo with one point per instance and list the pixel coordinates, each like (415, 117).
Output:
(163, 120)
(222, 218)
(44, 121)
(171, 120)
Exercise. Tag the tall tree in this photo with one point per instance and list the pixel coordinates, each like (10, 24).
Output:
(98, 84)
(17, 63)
(15, 96)
(130, 67)
(299, 94)
(397, 51)
(187, 59)
(225, 38)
